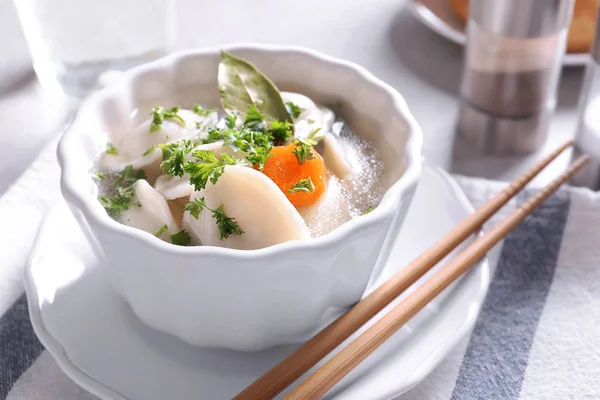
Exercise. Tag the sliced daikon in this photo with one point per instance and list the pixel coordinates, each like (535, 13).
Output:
(257, 206)
(149, 211)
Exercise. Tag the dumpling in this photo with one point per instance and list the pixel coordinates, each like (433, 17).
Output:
(149, 211)
(173, 187)
(258, 206)
(134, 147)
(312, 116)
(141, 139)
(150, 162)
(335, 159)
(315, 117)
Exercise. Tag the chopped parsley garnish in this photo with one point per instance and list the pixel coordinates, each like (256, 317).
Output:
(161, 230)
(281, 131)
(181, 238)
(97, 175)
(230, 121)
(130, 176)
(227, 226)
(303, 185)
(173, 155)
(293, 109)
(111, 149)
(247, 140)
(259, 157)
(208, 167)
(254, 119)
(150, 150)
(253, 138)
(303, 152)
(159, 114)
(370, 209)
(203, 112)
(256, 144)
(118, 200)
(313, 138)
(118, 203)
(195, 206)
(214, 135)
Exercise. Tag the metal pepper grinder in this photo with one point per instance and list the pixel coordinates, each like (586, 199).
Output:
(512, 66)
(587, 138)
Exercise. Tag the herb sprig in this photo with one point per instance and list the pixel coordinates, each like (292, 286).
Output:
(293, 109)
(111, 149)
(97, 175)
(231, 120)
(181, 238)
(255, 138)
(124, 190)
(281, 131)
(313, 138)
(303, 152)
(203, 112)
(173, 156)
(159, 114)
(252, 138)
(161, 230)
(208, 167)
(303, 185)
(254, 119)
(370, 209)
(227, 225)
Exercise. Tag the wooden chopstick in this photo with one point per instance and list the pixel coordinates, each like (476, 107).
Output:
(349, 357)
(299, 362)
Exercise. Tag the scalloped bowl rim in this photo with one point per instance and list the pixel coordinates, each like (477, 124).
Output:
(95, 213)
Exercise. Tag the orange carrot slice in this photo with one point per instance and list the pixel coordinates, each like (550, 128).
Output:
(284, 169)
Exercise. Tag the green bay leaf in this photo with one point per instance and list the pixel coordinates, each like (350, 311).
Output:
(241, 85)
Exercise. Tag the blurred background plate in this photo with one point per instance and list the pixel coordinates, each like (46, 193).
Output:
(439, 17)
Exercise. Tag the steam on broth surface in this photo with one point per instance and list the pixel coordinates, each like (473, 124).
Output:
(267, 168)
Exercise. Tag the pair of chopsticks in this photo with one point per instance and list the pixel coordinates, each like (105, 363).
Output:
(315, 349)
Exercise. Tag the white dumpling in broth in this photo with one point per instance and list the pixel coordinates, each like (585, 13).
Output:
(312, 116)
(136, 146)
(334, 155)
(149, 211)
(258, 206)
(149, 163)
(173, 187)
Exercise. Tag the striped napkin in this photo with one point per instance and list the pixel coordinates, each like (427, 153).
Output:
(537, 337)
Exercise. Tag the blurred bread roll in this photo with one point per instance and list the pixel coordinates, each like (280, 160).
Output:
(581, 30)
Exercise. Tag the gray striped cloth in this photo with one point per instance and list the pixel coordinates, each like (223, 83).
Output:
(537, 336)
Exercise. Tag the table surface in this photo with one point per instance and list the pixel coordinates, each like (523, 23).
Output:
(388, 40)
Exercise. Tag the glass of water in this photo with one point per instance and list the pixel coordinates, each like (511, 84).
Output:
(72, 42)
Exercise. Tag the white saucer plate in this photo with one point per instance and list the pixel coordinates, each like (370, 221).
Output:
(100, 344)
(439, 17)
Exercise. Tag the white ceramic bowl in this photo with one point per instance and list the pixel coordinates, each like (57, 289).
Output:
(239, 299)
